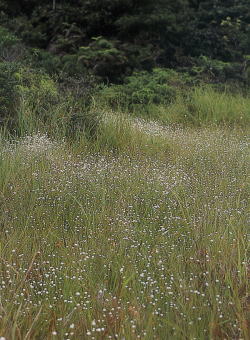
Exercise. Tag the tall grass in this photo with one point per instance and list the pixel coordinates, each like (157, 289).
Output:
(198, 106)
(140, 232)
(81, 117)
(206, 106)
(113, 226)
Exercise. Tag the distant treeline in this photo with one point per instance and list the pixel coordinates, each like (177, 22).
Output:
(110, 39)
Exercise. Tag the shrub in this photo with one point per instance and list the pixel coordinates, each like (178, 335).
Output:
(8, 93)
(36, 87)
(11, 48)
(141, 89)
(219, 72)
(46, 61)
(22, 91)
(101, 56)
(30, 100)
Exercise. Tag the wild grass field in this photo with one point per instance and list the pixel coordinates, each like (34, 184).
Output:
(140, 233)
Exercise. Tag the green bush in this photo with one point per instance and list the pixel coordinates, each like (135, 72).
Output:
(215, 71)
(35, 87)
(11, 48)
(24, 90)
(8, 93)
(46, 61)
(7, 39)
(101, 56)
(30, 100)
(141, 89)
(37, 94)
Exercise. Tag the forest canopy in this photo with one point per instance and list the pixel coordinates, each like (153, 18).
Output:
(113, 38)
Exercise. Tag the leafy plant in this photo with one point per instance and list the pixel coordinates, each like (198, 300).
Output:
(11, 48)
(216, 71)
(45, 60)
(36, 87)
(8, 93)
(101, 57)
(24, 90)
(143, 88)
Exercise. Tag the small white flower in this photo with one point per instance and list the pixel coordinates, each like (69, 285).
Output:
(72, 326)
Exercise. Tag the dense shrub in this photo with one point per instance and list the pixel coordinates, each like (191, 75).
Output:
(143, 88)
(101, 58)
(11, 48)
(30, 100)
(132, 35)
(8, 93)
(22, 88)
(45, 61)
(209, 70)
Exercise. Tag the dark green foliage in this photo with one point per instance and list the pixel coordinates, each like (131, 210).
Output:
(160, 86)
(212, 71)
(136, 34)
(8, 95)
(11, 48)
(140, 55)
(219, 29)
(46, 61)
(109, 60)
(21, 86)
(78, 104)
(101, 56)
(7, 39)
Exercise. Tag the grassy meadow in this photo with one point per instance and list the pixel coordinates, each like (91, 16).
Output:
(139, 232)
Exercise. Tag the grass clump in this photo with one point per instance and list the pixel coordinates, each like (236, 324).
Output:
(206, 106)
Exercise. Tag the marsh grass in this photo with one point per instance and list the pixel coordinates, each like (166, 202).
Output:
(206, 106)
(79, 118)
(197, 107)
(140, 233)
